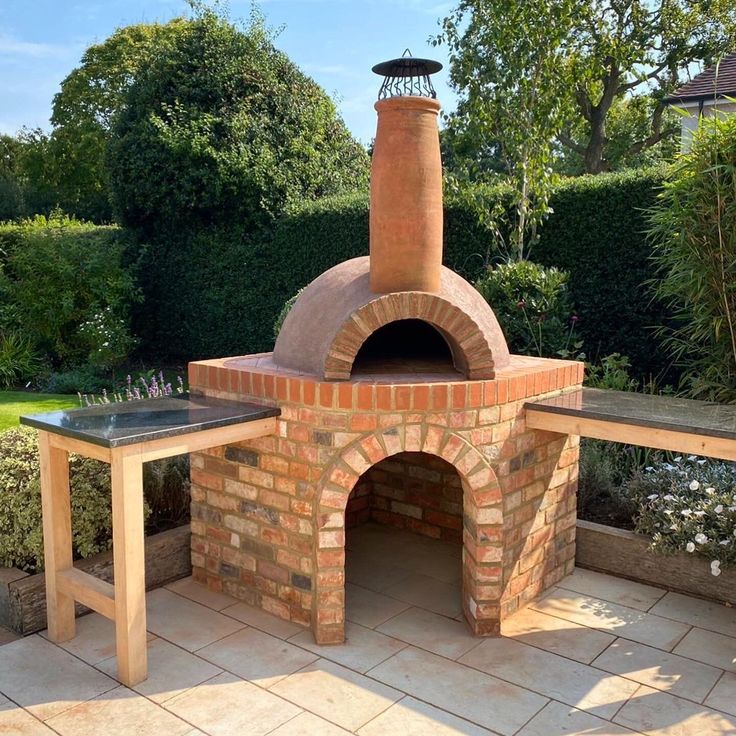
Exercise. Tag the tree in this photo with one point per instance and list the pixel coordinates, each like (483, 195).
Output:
(504, 72)
(83, 111)
(610, 50)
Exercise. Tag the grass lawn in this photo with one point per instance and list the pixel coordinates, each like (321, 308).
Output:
(15, 403)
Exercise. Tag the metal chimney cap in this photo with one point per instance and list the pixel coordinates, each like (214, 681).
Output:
(407, 76)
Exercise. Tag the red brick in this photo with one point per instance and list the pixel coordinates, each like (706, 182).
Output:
(310, 391)
(439, 396)
(383, 398)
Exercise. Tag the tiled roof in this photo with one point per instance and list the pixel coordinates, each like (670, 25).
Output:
(707, 85)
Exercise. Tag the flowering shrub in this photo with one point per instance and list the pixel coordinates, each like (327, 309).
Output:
(689, 505)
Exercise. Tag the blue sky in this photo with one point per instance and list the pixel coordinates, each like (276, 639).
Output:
(334, 41)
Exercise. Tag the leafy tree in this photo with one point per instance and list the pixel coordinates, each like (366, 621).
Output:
(83, 111)
(503, 72)
(604, 51)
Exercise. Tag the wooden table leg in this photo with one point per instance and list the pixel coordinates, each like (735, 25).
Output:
(129, 565)
(57, 536)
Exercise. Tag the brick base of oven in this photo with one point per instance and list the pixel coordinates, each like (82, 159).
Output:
(452, 460)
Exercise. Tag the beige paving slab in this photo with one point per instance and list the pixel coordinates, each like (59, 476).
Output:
(429, 593)
(723, 696)
(368, 608)
(707, 646)
(620, 620)
(556, 677)
(120, 712)
(256, 656)
(199, 593)
(659, 669)
(307, 724)
(229, 706)
(439, 634)
(557, 719)
(467, 693)
(45, 679)
(184, 622)
(556, 635)
(263, 620)
(14, 721)
(363, 648)
(613, 589)
(697, 612)
(171, 671)
(660, 714)
(411, 717)
(366, 572)
(336, 693)
(95, 639)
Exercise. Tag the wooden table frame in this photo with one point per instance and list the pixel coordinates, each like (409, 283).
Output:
(124, 602)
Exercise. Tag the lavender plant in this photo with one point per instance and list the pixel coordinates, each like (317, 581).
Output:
(145, 387)
(689, 505)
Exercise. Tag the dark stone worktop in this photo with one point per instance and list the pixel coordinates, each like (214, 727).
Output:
(129, 422)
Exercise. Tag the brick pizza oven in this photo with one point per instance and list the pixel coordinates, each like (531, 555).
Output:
(400, 404)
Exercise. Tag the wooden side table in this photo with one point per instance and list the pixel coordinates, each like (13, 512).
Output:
(124, 435)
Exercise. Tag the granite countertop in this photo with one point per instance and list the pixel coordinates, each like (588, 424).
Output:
(644, 410)
(129, 422)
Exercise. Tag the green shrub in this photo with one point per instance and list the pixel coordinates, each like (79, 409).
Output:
(68, 287)
(84, 380)
(21, 535)
(532, 305)
(694, 232)
(689, 505)
(19, 361)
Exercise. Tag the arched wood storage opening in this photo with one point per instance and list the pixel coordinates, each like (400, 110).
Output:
(481, 525)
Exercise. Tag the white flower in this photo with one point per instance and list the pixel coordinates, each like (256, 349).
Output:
(700, 538)
(694, 485)
(715, 568)
(724, 542)
(653, 496)
(718, 509)
(690, 547)
(668, 497)
(673, 527)
(692, 457)
(678, 459)
(700, 512)
(686, 512)
(710, 491)
(669, 512)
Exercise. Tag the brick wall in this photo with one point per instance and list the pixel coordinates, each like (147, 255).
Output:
(269, 515)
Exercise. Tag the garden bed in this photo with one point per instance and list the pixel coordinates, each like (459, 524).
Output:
(626, 554)
(23, 596)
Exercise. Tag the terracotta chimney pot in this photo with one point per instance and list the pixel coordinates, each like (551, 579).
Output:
(406, 197)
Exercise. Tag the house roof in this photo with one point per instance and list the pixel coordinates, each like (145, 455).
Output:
(709, 84)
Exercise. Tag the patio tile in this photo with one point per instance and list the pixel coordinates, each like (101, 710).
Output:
(368, 608)
(95, 639)
(723, 696)
(333, 692)
(307, 724)
(556, 635)
(363, 648)
(658, 669)
(257, 657)
(45, 679)
(429, 593)
(263, 620)
(365, 571)
(556, 677)
(697, 612)
(14, 721)
(201, 594)
(705, 646)
(611, 617)
(171, 671)
(410, 717)
(484, 700)
(556, 719)
(427, 630)
(184, 622)
(226, 705)
(659, 714)
(121, 712)
(612, 589)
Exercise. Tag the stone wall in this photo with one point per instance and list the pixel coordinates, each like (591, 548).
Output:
(268, 515)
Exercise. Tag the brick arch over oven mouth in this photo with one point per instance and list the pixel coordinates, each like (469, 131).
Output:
(338, 312)
(482, 523)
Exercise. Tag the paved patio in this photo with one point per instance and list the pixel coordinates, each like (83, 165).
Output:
(597, 655)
